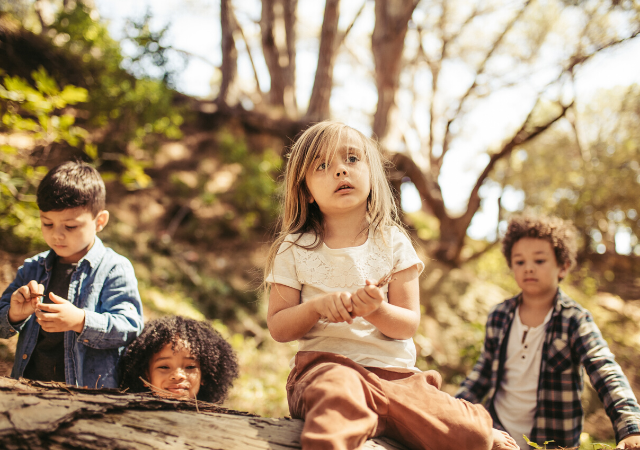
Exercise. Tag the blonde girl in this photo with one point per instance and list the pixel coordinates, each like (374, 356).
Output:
(354, 376)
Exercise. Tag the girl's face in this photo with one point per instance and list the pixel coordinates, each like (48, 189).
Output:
(176, 370)
(340, 183)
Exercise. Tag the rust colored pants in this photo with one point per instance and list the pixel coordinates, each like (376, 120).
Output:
(343, 404)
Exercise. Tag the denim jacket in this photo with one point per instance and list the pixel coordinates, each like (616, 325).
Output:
(105, 286)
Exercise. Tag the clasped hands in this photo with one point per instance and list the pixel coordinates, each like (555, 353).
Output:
(344, 306)
(61, 315)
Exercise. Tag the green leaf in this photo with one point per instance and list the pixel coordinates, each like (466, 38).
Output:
(44, 82)
(529, 443)
(8, 149)
(72, 95)
(66, 120)
(91, 150)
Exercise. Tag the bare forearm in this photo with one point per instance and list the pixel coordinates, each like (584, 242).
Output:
(292, 323)
(394, 321)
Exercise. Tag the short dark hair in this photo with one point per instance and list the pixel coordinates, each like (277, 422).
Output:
(218, 363)
(560, 233)
(72, 184)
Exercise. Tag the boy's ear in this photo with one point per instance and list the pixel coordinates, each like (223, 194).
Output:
(102, 219)
(564, 270)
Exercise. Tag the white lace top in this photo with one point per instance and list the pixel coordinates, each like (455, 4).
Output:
(324, 270)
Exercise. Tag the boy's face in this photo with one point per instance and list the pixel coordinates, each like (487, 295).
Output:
(535, 268)
(71, 232)
(176, 371)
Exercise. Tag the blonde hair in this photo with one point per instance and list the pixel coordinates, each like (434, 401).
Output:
(299, 216)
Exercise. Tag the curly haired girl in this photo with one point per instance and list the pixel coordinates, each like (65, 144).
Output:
(181, 357)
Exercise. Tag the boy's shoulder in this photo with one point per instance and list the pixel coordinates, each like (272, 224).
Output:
(566, 306)
(37, 259)
(569, 308)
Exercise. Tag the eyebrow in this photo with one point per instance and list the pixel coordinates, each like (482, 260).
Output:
(169, 357)
(535, 253)
(63, 220)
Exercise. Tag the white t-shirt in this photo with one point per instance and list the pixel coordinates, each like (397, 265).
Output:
(325, 270)
(517, 396)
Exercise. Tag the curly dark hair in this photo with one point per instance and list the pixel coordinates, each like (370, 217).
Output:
(560, 233)
(218, 362)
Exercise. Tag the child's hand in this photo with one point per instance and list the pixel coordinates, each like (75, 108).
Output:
(502, 441)
(335, 307)
(24, 301)
(62, 315)
(631, 441)
(367, 299)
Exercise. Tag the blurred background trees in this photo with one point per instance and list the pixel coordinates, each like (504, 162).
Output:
(495, 86)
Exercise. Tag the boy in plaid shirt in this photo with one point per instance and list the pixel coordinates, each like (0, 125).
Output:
(537, 343)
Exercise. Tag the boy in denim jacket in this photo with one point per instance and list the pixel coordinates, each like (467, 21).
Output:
(77, 305)
(538, 343)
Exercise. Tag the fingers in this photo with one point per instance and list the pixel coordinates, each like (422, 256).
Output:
(338, 307)
(335, 307)
(57, 299)
(48, 307)
(373, 291)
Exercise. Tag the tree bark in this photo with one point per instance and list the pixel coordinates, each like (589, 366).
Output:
(319, 103)
(387, 43)
(280, 61)
(229, 51)
(51, 416)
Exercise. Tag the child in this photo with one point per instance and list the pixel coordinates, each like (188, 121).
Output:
(530, 367)
(354, 376)
(182, 357)
(90, 306)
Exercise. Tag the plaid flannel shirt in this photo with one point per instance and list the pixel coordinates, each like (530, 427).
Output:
(572, 341)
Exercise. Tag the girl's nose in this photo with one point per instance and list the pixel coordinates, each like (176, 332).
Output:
(341, 170)
(178, 375)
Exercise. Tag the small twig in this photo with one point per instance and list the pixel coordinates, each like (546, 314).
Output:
(382, 282)
(168, 394)
(388, 277)
(98, 380)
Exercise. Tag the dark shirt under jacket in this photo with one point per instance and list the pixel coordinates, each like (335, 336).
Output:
(47, 360)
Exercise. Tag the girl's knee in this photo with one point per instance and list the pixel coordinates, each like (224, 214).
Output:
(433, 378)
(334, 380)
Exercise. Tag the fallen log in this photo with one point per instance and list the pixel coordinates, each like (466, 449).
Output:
(52, 416)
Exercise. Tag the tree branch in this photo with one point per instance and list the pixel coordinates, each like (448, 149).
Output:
(523, 135)
(447, 133)
(425, 184)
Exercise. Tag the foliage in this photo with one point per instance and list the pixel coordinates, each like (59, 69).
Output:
(41, 117)
(151, 54)
(255, 191)
(592, 180)
(131, 115)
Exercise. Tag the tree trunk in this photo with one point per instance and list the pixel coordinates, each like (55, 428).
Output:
(280, 57)
(319, 103)
(51, 416)
(387, 43)
(229, 52)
